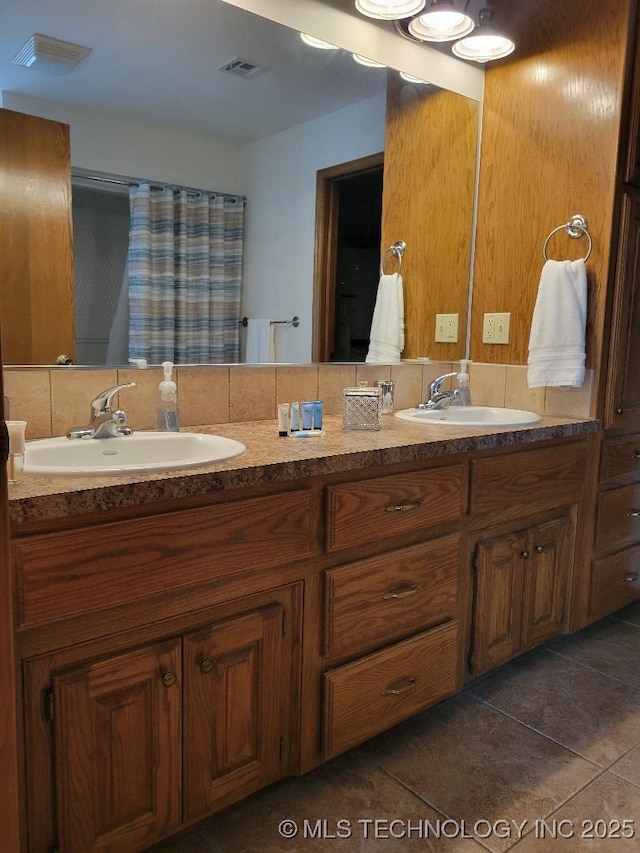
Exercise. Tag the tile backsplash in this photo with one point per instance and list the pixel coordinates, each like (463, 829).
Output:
(52, 400)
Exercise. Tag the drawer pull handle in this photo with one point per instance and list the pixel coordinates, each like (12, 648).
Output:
(399, 687)
(405, 507)
(630, 578)
(169, 679)
(633, 513)
(401, 593)
(206, 665)
(636, 454)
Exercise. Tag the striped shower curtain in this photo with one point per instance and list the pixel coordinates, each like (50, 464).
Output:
(185, 275)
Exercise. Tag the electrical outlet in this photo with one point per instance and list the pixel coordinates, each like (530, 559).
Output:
(495, 328)
(447, 328)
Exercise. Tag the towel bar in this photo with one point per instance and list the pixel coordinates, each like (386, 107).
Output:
(295, 322)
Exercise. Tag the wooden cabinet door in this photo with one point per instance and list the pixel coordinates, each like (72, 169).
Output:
(118, 741)
(498, 600)
(622, 402)
(234, 708)
(36, 262)
(546, 571)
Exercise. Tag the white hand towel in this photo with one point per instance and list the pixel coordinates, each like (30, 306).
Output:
(558, 328)
(386, 339)
(261, 347)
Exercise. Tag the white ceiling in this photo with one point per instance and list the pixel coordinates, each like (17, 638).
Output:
(154, 61)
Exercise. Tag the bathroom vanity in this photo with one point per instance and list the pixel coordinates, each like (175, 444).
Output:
(186, 639)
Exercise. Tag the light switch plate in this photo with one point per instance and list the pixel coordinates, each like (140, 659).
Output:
(495, 328)
(447, 328)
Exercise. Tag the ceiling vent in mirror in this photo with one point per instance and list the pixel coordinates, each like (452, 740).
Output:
(242, 68)
(50, 55)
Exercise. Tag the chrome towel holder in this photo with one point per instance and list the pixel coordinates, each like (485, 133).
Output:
(576, 227)
(397, 250)
(295, 322)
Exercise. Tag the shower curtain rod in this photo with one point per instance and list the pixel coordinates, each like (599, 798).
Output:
(135, 182)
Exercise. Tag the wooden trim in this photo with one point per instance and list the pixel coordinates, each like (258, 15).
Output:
(9, 775)
(326, 232)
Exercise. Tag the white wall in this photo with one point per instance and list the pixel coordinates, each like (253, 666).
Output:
(104, 143)
(280, 174)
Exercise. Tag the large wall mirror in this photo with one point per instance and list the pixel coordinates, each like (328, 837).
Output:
(150, 102)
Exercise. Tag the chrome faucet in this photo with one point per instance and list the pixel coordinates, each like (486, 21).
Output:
(105, 421)
(436, 398)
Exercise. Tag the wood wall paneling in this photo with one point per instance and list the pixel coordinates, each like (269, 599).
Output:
(549, 149)
(36, 263)
(430, 160)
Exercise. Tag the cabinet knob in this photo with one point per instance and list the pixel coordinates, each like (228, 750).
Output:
(631, 577)
(399, 687)
(401, 593)
(206, 665)
(169, 679)
(619, 410)
(405, 507)
(539, 549)
(524, 555)
(636, 454)
(633, 513)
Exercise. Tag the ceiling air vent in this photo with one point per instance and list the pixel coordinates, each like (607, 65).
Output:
(241, 68)
(49, 55)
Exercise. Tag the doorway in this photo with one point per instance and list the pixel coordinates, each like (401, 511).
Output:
(347, 268)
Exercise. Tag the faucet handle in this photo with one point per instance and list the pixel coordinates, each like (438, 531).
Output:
(101, 405)
(436, 386)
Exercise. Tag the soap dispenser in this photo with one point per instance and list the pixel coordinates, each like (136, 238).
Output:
(462, 381)
(168, 420)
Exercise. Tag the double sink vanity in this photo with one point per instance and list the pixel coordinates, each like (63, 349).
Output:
(187, 637)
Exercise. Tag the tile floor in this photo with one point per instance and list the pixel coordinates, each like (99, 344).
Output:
(542, 756)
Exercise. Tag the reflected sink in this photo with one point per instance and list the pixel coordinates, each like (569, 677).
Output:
(471, 416)
(140, 452)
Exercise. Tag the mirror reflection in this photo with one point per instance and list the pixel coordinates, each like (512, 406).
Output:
(310, 111)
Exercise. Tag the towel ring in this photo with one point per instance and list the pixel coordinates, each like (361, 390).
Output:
(397, 250)
(576, 227)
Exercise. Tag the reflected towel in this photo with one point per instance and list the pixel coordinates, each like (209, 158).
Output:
(386, 339)
(261, 346)
(558, 328)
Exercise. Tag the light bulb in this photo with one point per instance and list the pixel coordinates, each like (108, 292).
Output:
(370, 63)
(389, 10)
(485, 44)
(441, 22)
(312, 41)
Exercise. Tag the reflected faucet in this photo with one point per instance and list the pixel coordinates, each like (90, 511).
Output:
(436, 398)
(105, 421)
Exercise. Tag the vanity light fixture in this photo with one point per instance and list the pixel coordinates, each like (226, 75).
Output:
(485, 43)
(370, 63)
(410, 78)
(389, 10)
(442, 20)
(312, 41)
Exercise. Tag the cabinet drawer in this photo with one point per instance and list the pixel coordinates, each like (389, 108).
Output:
(530, 478)
(620, 457)
(387, 506)
(374, 693)
(66, 573)
(615, 582)
(373, 602)
(618, 520)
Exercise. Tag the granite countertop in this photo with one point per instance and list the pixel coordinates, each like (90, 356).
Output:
(272, 459)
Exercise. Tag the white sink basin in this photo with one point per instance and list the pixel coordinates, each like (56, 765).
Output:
(140, 452)
(470, 416)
